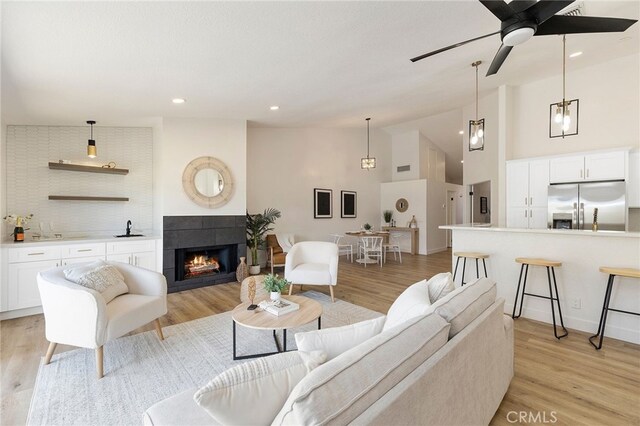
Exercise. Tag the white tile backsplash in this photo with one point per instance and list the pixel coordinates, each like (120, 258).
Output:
(30, 181)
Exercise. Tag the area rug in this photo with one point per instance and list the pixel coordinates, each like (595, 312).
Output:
(140, 370)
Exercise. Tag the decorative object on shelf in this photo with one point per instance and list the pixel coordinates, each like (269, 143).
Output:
(207, 182)
(19, 222)
(242, 271)
(257, 227)
(92, 150)
(322, 203)
(349, 204)
(109, 165)
(561, 123)
(476, 127)
(367, 227)
(368, 163)
(402, 205)
(413, 223)
(275, 285)
(66, 165)
(388, 216)
(594, 227)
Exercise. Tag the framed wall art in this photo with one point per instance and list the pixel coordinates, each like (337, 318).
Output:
(349, 204)
(322, 203)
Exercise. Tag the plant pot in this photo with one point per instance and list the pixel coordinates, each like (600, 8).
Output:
(254, 269)
(275, 295)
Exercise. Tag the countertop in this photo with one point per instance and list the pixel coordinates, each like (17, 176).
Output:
(76, 240)
(572, 232)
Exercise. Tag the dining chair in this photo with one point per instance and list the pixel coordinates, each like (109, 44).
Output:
(343, 248)
(394, 246)
(371, 248)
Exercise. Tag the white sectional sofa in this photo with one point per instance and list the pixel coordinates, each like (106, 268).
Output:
(451, 365)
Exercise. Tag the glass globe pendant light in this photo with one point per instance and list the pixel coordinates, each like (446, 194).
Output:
(476, 127)
(92, 151)
(560, 121)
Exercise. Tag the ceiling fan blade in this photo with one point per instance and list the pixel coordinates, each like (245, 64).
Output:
(453, 46)
(545, 9)
(583, 24)
(499, 8)
(499, 59)
(521, 5)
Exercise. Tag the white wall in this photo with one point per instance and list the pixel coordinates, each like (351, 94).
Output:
(284, 165)
(405, 151)
(609, 96)
(415, 192)
(183, 140)
(437, 214)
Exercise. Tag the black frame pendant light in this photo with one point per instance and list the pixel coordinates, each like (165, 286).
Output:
(92, 151)
(368, 163)
(561, 122)
(476, 127)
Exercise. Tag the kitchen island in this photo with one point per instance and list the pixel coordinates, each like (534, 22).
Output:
(580, 284)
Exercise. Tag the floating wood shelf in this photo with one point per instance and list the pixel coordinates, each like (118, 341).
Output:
(90, 169)
(83, 198)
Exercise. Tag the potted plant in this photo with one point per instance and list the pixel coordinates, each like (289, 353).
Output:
(275, 285)
(367, 227)
(257, 227)
(387, 215)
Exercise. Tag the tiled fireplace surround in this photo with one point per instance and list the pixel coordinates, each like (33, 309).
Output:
(200, 231)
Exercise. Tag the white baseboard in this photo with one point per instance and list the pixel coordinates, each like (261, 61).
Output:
(20, 313)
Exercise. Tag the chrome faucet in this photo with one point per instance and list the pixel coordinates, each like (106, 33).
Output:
(128, 228)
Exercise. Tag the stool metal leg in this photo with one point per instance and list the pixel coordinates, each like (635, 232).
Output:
(515, 302)
(555, 284)
(477, 271)
(557, 299)
(455, 271)
(603, 315)
(464, 266)
(485, 268)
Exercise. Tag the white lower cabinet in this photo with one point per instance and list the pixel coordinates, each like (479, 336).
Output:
(22, 291)
(76, 260)
(137, 253)
(145, 260)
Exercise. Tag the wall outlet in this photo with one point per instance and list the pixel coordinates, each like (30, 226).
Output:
(576, 303)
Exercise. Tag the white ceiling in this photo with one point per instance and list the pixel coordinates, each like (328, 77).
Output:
(326, 64)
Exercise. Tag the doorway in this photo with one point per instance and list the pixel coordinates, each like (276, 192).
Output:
(480, 202)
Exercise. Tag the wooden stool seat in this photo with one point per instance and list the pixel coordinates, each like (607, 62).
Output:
(538, 262)
(621, 272)
(471, 255)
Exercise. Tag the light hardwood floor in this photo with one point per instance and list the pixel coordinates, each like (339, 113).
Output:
(565, 380)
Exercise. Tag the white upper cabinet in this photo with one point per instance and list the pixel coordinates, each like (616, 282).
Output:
(517, 183)
(527, 193)
(566, 169)
(590, 167)
(633, 185)
(538, 183)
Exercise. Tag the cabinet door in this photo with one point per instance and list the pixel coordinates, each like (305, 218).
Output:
(538, 218)
(517, 188)
(633, 184)
(566, 169)
(604, 166)
(124, 258)
(76, 260)
(145, 260)
(538, 183)
(22, 287)
(517, 217)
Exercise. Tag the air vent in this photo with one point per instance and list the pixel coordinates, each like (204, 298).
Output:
(575, 10)
(404, 168)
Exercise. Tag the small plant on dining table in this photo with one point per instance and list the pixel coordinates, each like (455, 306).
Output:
(367, 227)
(274, 284)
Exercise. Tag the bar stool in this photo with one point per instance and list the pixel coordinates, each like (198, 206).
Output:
(550, 265)
(613, 272)
(469, 255)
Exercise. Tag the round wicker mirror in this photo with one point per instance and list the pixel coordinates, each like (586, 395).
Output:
(402, 205)
(207, 182)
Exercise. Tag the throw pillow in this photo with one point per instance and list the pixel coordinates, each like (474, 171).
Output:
(439, 286)
(99, 276)
(413, 302)
(253, 393)
(336, 340)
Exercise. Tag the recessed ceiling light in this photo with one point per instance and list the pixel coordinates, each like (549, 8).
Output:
(462, 161)
(178, 100)
(575, 54)
(274, 107)
(461, 132)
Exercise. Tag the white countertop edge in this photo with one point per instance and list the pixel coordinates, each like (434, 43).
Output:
(616, 234)
(77, 240)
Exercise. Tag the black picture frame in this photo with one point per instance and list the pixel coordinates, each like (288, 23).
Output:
(348, 204)
(483, 205)
(322, 203)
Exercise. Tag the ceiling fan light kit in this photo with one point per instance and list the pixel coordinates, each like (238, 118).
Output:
(561, 122)
(476, 127)
(368, 163)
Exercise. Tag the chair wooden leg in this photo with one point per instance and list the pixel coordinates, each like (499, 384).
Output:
(290, 289)
(99, 358)
(159, 329)
(331, 291)
(50, 351)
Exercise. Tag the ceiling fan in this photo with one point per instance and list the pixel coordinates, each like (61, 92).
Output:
(523, 19)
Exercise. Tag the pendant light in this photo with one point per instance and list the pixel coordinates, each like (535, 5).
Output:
(92, 151)
(368, 163)
(476, 127)
(561, 121)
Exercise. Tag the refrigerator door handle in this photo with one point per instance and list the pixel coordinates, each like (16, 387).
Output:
(581, 215)
(574, 216)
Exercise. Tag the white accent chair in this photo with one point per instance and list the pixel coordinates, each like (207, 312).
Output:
(394, 246)
(312, 263)
(78, 316)
(346, 249)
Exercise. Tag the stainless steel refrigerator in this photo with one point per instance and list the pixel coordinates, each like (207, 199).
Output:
(571, 206)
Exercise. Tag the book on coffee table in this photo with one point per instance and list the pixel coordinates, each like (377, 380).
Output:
(279, 307)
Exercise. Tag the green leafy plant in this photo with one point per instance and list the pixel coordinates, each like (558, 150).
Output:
(257, 227)
(387, 214)
(273, 283)
(367, 227)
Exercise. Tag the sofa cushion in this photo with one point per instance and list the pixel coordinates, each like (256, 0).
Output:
(336, 340)
(252, 393)
(466, 303)
(98, 276)
(310, 273)
(179, 409)
(439, 286)
(341, 389)
(413, 302)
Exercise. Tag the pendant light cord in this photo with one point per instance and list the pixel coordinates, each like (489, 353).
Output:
(368, 137)
(564, 60)
(476, 92)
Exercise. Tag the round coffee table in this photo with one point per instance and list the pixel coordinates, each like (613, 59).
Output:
(309, 311)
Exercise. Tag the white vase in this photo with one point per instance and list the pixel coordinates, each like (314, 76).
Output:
(275, 295)
(254, 269)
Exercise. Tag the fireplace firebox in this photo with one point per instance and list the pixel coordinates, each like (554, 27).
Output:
(196, 262)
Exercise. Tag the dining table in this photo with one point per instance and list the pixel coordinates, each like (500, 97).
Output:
(360, 234)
